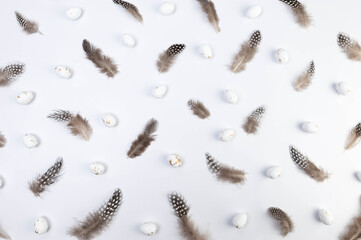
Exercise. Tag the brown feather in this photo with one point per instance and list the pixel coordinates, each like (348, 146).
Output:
(10, 72)
(2, 140)
(304, 81)
(353, 231)
(349, 46)
(80, 126)
(354, 137)
(28, 26)
(283, 219)
(253, 121)
(4, 236)
(198, 109)
(133, 10)
(167, 58)
(302, 17)
(209, 9)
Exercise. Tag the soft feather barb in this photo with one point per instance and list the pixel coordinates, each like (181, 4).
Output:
(198, 109)
(42, 182)
(300, 12)
(2, 140)
(104, 63)
(28, 26)
(247, 52)
(98, 221)
(10, 73)
(305, 80)
(353, 231)
(144, 139)
(224, 172)
(307, 166)
(5, 236)
(133, 10)
(210, 10)
(283, 219)
(354, 137)
(253, 121)
(187, 228)
(167, 58)
(349, 46)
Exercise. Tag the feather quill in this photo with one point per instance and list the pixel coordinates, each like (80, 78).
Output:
(253, 121)
(354, 137)
(210, 10)
(283, 219)
(167, 58)
(349, 46)
(104, 63)
(198, 109)
(305, 80)
(98, 221)
(42, 182)
(307, 166)
(144, 139)
(353, 231)
(10, 72)
(2, 140)
(247, 52)
(224, 172)
(187, 228)
(28, 26)
(299, 10)
(133, 10)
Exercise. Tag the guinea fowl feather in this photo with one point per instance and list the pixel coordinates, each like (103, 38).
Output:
(350, 47)
(167, 58)
(299, 11)
(283, 219)
(253, 121)
(10, 72)
(28, 26)
(133, 10)
(210, 10)
(198, 109)
(305, 80)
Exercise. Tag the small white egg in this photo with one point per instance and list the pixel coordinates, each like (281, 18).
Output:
(74, 13)
(281, 55)
(97, 168)
(231, 96)
(254, 11)
(25, 97)
(343, 88)
(63, 71)
(227, 135)
(206, 51)
(160, 91)
(167, 8)
(1, 182)
(149, 228)
(175, 160)
(30, 140)
(325, 217)
(274, 172)
(310, 127)
(41, 225)
(110, 120)
(129, 40)
(240, 220)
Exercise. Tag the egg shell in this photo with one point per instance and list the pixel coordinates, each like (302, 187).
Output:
(167, 8)
(175, 160)
(231, 96)
(63, 71)
(74, 13)
(149, 228)
(129, 40)
(30, 140)
(227, 135)
(343, 88)
(325, 217)
(160, 91)
(240, 220)
(281, 55)
(254, 11)
(1, 182)
(41, 225)
(97, 168)
(310, 127)
(25, 97)
(110, 120)
(206, 51)
(274, 172)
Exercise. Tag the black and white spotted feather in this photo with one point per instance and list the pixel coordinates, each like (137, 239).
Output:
(133, 10)
(210, 10)
(167, 58)
(10, 73)
(349, 46)
(27, 25)
(253, 121)
(300, 12)
(305, 79)
(354, 137)
(198, 109)
(283, 219)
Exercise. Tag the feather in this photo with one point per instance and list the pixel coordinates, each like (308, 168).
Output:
(61, 115)
(353, 231)
(144, 139)
(2, 140)
(28, 26)
(299, 10)
(133, 10)
(247, 52)
(305, 79)
(167, 58)
(38, 185)
(307, 166)
(223, 172)
(349, 46)
(9, 73)
(253, 121)
(4, 236)
(98, 221)
(187, 228)
(105, 64)
(283, 219)
(198, 109)
(209, 9)
(354, 137)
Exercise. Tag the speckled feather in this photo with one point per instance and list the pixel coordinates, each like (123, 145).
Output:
(253, 121)
(350, 47)
(198, 109)
(10, 73)
(167, 58)
(300, 12)
(305, 80)
(133, 10)
(354, 137)
(283, 219)
(28, 26)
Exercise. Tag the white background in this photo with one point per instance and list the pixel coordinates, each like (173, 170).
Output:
(146, 180)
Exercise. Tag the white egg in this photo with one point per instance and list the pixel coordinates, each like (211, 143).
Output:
(175, 160)
(281, 55)
(110, 120)
(128, 40)
(30, 140)
(206, 51)
(310, 127)
(160, 91)
(231, 96)
(343, 88)
(227, 135)
(25, 97)
(74, 13)
(97, 168)
(254, 11)
(325, 217)
(41, 225)
(240, 220)
(274, 172)
(63, 71)
(149, 228)
(1, 182)
(167, 8)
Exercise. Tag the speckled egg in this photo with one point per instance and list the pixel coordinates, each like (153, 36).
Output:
(74, 13)
(41, 225)
(175, 160)
(343, 88)
(310, 127)
(110, 120)
(97, 168)
(25, 97)
(240, 220)
(149, 228)
(167, 8)
(254, 11)
(274, 172)
(30, 140)
(129, 40)
(325, 217)
(160, 91)
(206, 51)
(63, 71)
(231, 96)
(281, 55)
(227, 135)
